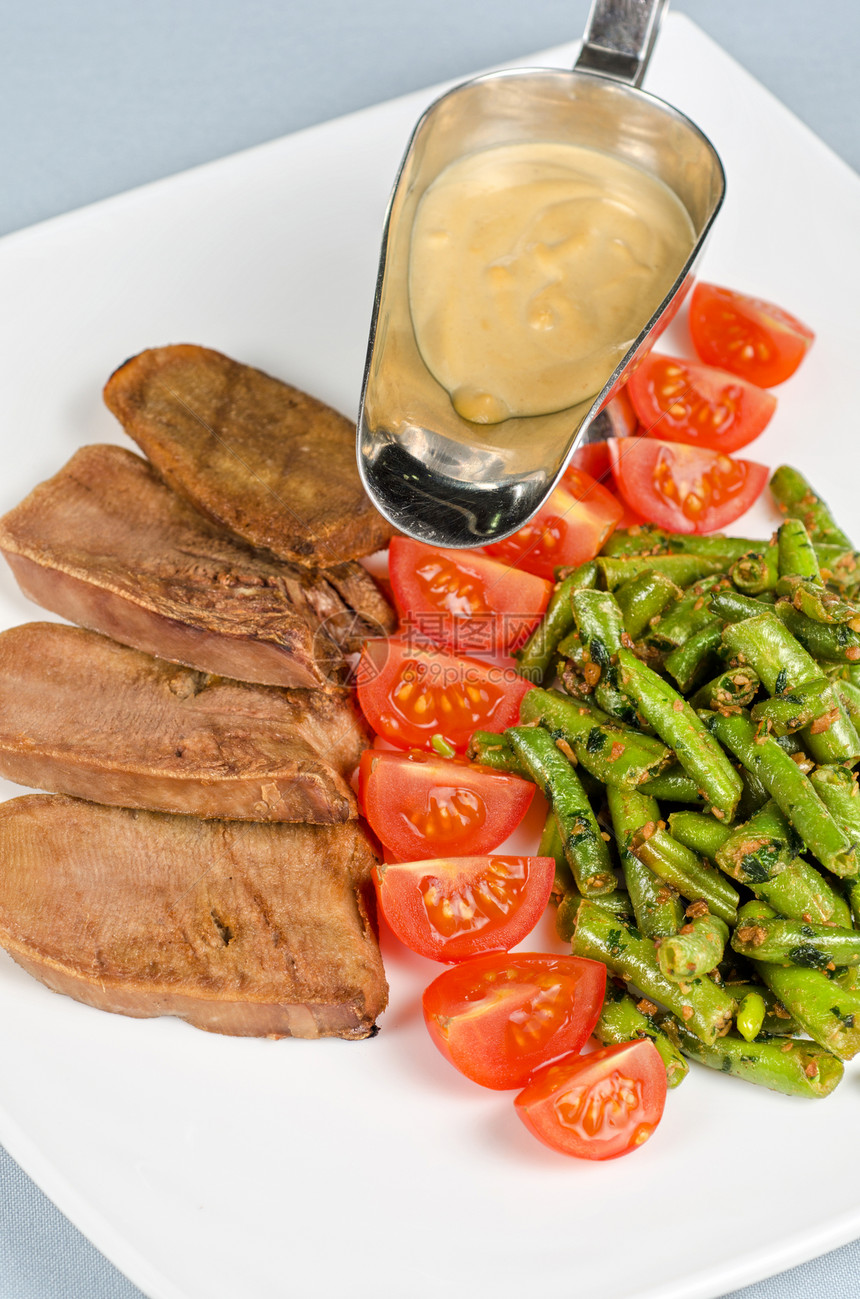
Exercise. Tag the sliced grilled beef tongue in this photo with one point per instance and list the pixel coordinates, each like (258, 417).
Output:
(106, 544)
(81, 714)
(236, 927)
(270, 463)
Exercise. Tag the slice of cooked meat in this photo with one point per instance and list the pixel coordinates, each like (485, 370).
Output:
(236, 927)
(269, 462)
(80, 714)
(106, 544)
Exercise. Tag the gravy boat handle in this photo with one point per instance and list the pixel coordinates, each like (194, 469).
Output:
(619, 38)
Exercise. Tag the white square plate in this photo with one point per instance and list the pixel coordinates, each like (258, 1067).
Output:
(206, 1167)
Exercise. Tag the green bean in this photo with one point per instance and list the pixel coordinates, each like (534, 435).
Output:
(690, 661)
(802, 893)
(849, 694)
(688, 615)
(784, 667)
(571, 647)
(838, 790)
(551, 846)
(680, 728)
(616, 704)
(852, 890)
(796, 553)
(792, 942)
(672, 786)
(848, 673)
(683, 570)
(791, 745)
(799, 708)
(802, 1070)
(777, 1021)
(613, 753)
(754, 796)
(733, 689)
(622, 1020)
(656, 905)
(828, 644)
(599, 623)
(698, 832)
(695, 950)
(829, 1013)
(839, 566)
(817, 603)
(600, 626)
(756, 572)
(694, 879)
(715, 546)
(646, 539)
(799, 891)
(731, 606)
(797, 500)
(701, 1004)
(791, 790)
(584, 846)
(760, 849)
(534, 659)
(752, 1010)
(777, 657)
(493, 750)
(618, 902)
(651, 540)
(642, 599)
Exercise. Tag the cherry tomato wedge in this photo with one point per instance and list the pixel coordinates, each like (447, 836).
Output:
(592, 459)
(498, 1018)
(410, 693)
(453, 908)
(621, 414)
(568, 529)
(681, 488)
(750, 337)
(422, 806)
(597, 1106)
(463, 600)
(680, 401)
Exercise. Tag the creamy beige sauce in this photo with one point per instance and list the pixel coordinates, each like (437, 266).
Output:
(532, 269)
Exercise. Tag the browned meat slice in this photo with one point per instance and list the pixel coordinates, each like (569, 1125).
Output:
(80, 714)
(274, 465)
(106, 544)
(236, 927)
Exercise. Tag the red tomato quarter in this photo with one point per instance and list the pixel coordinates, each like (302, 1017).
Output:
(453, 908)
(463, 600)
(592, 459)
(681, 488)
(422, 806)
(621, 414)
(567, 530)
(597, 1106)
(755, 339)
(410, 693)
(497, 1018)
(680, 401)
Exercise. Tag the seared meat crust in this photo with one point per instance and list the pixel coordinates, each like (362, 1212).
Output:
(269, 462)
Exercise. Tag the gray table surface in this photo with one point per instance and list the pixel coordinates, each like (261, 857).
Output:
(102, 95)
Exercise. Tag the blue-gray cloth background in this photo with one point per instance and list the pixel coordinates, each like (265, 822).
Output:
(97, 96)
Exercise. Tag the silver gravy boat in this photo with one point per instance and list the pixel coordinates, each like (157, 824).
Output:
(434, 475)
